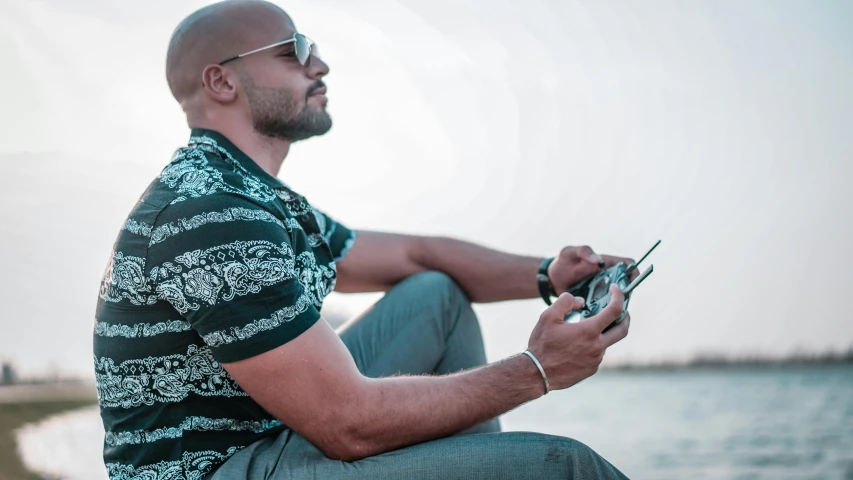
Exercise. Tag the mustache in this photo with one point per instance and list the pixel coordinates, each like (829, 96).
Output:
(314, 87)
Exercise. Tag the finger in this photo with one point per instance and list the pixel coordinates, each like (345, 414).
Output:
(617, 333)
(589, 256)
(610, 260)
(613, 310)
(564, 304)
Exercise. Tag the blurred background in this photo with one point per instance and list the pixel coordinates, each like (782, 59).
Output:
(721, 127)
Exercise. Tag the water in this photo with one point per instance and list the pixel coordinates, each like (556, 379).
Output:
(744, 424)
(65, 446)
(793, 423)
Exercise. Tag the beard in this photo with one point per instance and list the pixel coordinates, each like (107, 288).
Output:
(274, 113)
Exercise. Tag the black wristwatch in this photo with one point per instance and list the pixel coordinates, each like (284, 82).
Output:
(545, 288)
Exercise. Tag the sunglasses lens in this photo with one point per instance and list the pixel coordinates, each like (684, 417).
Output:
(303, 48)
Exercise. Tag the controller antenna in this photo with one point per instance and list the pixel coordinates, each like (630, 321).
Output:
(635, 264)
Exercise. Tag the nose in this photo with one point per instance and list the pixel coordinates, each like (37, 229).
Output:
(317, 68)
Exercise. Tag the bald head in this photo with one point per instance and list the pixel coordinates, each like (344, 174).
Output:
(216, 32)
(274, 92)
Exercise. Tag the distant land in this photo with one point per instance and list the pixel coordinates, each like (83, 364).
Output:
(719, 360)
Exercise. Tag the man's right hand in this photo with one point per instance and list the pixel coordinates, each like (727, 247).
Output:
(571, 352)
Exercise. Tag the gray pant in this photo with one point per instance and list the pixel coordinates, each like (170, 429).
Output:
(423, 325)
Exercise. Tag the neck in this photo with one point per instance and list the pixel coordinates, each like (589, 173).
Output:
(267, 152)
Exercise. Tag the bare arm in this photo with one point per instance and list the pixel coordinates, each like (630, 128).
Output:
(485, 274)
(320, 393)
(378, 260)
(313, 386)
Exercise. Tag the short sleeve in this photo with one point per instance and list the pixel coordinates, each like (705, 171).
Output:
(227, 265)
(339, 237)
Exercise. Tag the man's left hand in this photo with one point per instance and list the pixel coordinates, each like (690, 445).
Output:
(576, 263)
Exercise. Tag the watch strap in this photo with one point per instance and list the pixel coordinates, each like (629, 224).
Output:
(544, 283)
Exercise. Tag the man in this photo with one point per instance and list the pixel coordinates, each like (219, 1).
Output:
(211, 356)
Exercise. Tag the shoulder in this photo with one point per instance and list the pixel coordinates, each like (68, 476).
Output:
(204, 171)
(218, 217)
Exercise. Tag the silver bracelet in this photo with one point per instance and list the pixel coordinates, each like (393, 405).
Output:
(541, 370)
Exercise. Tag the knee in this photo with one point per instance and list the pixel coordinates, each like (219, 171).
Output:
(576, 459)
(564, 449)
(446, 296)
(546, 456)
(440, 286)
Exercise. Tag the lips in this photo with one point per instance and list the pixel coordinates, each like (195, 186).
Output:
(319, 91)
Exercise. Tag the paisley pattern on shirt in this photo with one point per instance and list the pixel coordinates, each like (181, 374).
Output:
(164, 379)
(199, 424)
(139, 330)
(192, 176)
(223, 272)
(204, 277)
(139, 228)
(228, 215)
(244, 332)
(125, 279)
(192, 466)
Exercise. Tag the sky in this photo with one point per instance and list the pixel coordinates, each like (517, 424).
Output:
(721, 128)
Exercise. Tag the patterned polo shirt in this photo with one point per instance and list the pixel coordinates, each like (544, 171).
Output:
(217, 262)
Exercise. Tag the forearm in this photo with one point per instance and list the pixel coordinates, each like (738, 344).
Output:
(395, 412)
(486, 275)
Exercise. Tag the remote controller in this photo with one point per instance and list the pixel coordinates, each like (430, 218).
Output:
(595, 290)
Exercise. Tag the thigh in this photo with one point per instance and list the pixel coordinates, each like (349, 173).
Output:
(512, 455)
(424, 325)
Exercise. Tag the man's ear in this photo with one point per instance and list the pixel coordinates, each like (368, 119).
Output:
(219, 83)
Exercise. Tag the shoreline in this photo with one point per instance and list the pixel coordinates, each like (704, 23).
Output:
(722, 363)
(47, 392)
(22, 405)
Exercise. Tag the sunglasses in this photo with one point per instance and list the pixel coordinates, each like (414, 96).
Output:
(304, 46)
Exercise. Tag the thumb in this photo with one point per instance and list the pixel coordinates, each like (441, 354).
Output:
(564, 304)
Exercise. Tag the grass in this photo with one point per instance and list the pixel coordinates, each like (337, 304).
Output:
(15, 414)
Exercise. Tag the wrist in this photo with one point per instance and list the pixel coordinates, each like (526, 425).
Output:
(529, 376)
(540, 369)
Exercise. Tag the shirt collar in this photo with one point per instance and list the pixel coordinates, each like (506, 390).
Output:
(234, 155)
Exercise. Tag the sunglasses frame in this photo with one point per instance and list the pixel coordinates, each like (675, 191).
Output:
(295, 39)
